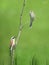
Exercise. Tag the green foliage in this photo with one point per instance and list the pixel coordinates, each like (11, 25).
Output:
(34, 61)
(32, 41)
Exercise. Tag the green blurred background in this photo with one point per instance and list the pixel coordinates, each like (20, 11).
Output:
(33, 41)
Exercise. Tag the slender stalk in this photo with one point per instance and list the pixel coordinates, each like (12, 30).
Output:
(12, 58)
(19, 33)
(22, 13)
(21, 26)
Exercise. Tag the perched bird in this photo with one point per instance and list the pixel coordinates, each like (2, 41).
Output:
(12, 43)
(32, 17)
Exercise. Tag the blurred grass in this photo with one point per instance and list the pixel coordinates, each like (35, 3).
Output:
(33, 41)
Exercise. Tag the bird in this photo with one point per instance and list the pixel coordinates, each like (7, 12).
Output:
(12, 43)
(32, 17)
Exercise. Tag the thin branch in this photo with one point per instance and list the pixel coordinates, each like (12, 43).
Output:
(21, 26)
(21, 15)
(19, 33)
(12, 58)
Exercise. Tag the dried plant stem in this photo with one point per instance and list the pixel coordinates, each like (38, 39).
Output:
(22, 13)
(21, 26)
(12, 58)
(19, 33)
